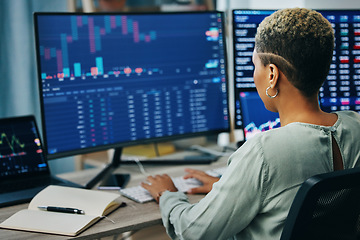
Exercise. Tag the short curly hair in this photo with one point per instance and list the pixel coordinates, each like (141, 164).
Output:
(300, 42)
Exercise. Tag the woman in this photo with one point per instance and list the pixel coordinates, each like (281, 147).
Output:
(292, 56)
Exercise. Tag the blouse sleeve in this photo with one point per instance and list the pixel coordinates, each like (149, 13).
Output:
(228, 208)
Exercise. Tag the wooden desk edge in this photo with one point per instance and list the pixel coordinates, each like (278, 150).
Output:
(104, 227)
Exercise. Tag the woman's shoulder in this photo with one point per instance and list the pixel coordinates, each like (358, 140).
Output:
(349, 116)
(287, 138)
(269, 139)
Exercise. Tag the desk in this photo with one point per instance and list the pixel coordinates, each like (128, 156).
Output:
(134, 216)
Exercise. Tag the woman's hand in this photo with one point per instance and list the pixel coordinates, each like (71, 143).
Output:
(206, 179)
(158, 184)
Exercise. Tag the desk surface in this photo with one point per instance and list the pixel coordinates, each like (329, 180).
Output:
(134, 216)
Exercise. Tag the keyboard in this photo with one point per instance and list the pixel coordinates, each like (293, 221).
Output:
(141, 195)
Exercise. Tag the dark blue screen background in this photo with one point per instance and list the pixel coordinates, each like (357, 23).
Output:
(119, 79)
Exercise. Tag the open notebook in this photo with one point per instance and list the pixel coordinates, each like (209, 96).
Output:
(94, 205)
(24, 170)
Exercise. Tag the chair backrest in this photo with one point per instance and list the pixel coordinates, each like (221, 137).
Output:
(326, 206)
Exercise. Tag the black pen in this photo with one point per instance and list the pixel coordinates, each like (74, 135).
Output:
(61, 209)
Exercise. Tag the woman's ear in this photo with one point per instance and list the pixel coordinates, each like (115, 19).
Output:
(274, 74)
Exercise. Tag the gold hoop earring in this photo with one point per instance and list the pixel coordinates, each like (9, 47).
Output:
(274, 96)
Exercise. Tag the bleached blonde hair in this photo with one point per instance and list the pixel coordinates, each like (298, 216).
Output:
(300, 42)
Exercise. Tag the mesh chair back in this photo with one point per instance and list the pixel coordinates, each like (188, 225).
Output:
(327, 206)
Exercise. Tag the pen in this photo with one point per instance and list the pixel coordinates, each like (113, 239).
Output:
(61, 209)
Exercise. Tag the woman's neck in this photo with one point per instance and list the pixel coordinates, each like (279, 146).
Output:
(301, 109)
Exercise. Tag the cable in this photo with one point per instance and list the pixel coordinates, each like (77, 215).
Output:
(141, 167)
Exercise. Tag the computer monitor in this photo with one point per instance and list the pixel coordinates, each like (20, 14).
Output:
(109, 80)
(251, 116)
(255, 117)
(21, 153)
(341, 90)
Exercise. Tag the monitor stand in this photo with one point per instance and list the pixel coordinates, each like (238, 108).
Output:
(109, 180)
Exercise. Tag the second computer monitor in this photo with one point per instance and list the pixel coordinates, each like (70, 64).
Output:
(250, 113)
(341, 90)
(255, 117)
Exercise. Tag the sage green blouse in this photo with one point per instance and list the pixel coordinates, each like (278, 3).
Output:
(253, 197)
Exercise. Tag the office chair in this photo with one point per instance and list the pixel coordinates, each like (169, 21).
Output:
(327, 206)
